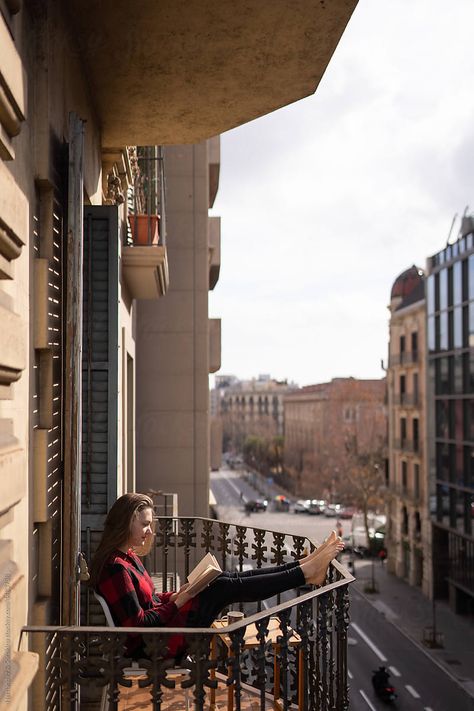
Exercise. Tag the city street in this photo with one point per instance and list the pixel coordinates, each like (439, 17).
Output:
(374, 640)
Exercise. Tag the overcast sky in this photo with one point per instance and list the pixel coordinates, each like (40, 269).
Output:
(325, 202)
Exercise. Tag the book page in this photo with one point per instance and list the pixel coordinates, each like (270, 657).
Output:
(203, 564)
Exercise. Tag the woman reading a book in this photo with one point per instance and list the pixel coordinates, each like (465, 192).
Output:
(119, 576)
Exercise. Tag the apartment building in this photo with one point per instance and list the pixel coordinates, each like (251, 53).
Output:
(82, 84)
(450, 404)
(326, 422)
(249, 407)
(408, 535)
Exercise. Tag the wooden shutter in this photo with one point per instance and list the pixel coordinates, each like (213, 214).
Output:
(100, 358)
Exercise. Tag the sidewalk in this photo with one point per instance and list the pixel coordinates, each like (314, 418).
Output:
(411, 612)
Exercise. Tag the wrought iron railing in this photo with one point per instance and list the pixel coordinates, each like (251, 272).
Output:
(310, 644)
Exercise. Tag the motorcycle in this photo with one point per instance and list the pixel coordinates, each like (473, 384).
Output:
(382, 687)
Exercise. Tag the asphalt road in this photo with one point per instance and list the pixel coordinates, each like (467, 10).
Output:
(373, 640)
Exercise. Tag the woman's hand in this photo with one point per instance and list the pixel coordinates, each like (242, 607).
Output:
(181, 597)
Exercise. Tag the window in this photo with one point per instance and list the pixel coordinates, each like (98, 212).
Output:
(402, 387)
(458, 330)
(416, 441)
(350, 414)
(442, 382)
(430, 289)
(443, 289)
(443, 331)
(415, 388)
(470, 269)
(403, 429)
(402, 344)
(404, 477)
(431, 334)
(416, 480)
(442, 419)
(414, 343)
(404, 521)
(457, 283)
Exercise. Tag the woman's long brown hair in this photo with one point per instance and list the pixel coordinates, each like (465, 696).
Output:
(117, 529)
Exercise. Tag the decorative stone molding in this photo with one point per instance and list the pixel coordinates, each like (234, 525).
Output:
(13, 222)
(12, 350)
(117, 175)
(12, 91)
(12, 481)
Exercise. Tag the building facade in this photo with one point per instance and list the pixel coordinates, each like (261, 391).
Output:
(408, 534)
(177, 344)
(82, 85)
(323, 423)
(450, 323)
(249, 408)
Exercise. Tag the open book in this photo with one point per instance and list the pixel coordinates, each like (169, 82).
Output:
(203, 574)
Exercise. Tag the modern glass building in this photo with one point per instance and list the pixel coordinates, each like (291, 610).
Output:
(450, 390)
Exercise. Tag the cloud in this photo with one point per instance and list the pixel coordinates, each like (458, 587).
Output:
(326, 201)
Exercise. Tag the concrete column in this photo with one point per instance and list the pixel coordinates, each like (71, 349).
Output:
(173, 345)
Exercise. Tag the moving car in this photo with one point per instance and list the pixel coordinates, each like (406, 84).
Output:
(253, 505)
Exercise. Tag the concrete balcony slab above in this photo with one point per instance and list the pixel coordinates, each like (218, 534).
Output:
(176, 71)
(145, 271)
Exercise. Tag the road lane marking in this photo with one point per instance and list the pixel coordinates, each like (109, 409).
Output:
(369, 642)
(394, 671)
(236, 488)
(427, 708)
(350, 674)
(412, 691)
(367, 700)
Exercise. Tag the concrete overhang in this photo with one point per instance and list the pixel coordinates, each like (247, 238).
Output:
(145, 271)
(214, 250)
(181, 71)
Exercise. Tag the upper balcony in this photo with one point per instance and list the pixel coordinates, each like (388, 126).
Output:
(293, 652)
(214, 149)
(179, 72)
(214, 250)
(408, 445)
(144, 255)
(404, 358)
(406, 400)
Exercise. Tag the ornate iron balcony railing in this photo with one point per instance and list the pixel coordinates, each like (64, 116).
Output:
(310, 645)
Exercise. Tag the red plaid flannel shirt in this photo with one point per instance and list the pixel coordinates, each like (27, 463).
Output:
(133, 602)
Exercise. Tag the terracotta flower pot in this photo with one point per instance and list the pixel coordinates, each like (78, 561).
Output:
(145, 229)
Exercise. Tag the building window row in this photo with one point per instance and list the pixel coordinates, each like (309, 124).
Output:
(452, 329)
(455, 463)
(452, 285)
(454, 508)
(455, 419)
(452, 375)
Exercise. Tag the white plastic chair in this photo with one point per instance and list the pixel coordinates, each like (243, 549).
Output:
(135, 669)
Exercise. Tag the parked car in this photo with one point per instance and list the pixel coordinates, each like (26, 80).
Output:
(332, 510)
(301, 506)
(316, 506)
(347, 512)
(253, 505)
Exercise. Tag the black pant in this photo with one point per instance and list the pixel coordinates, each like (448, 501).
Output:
(249, 586)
